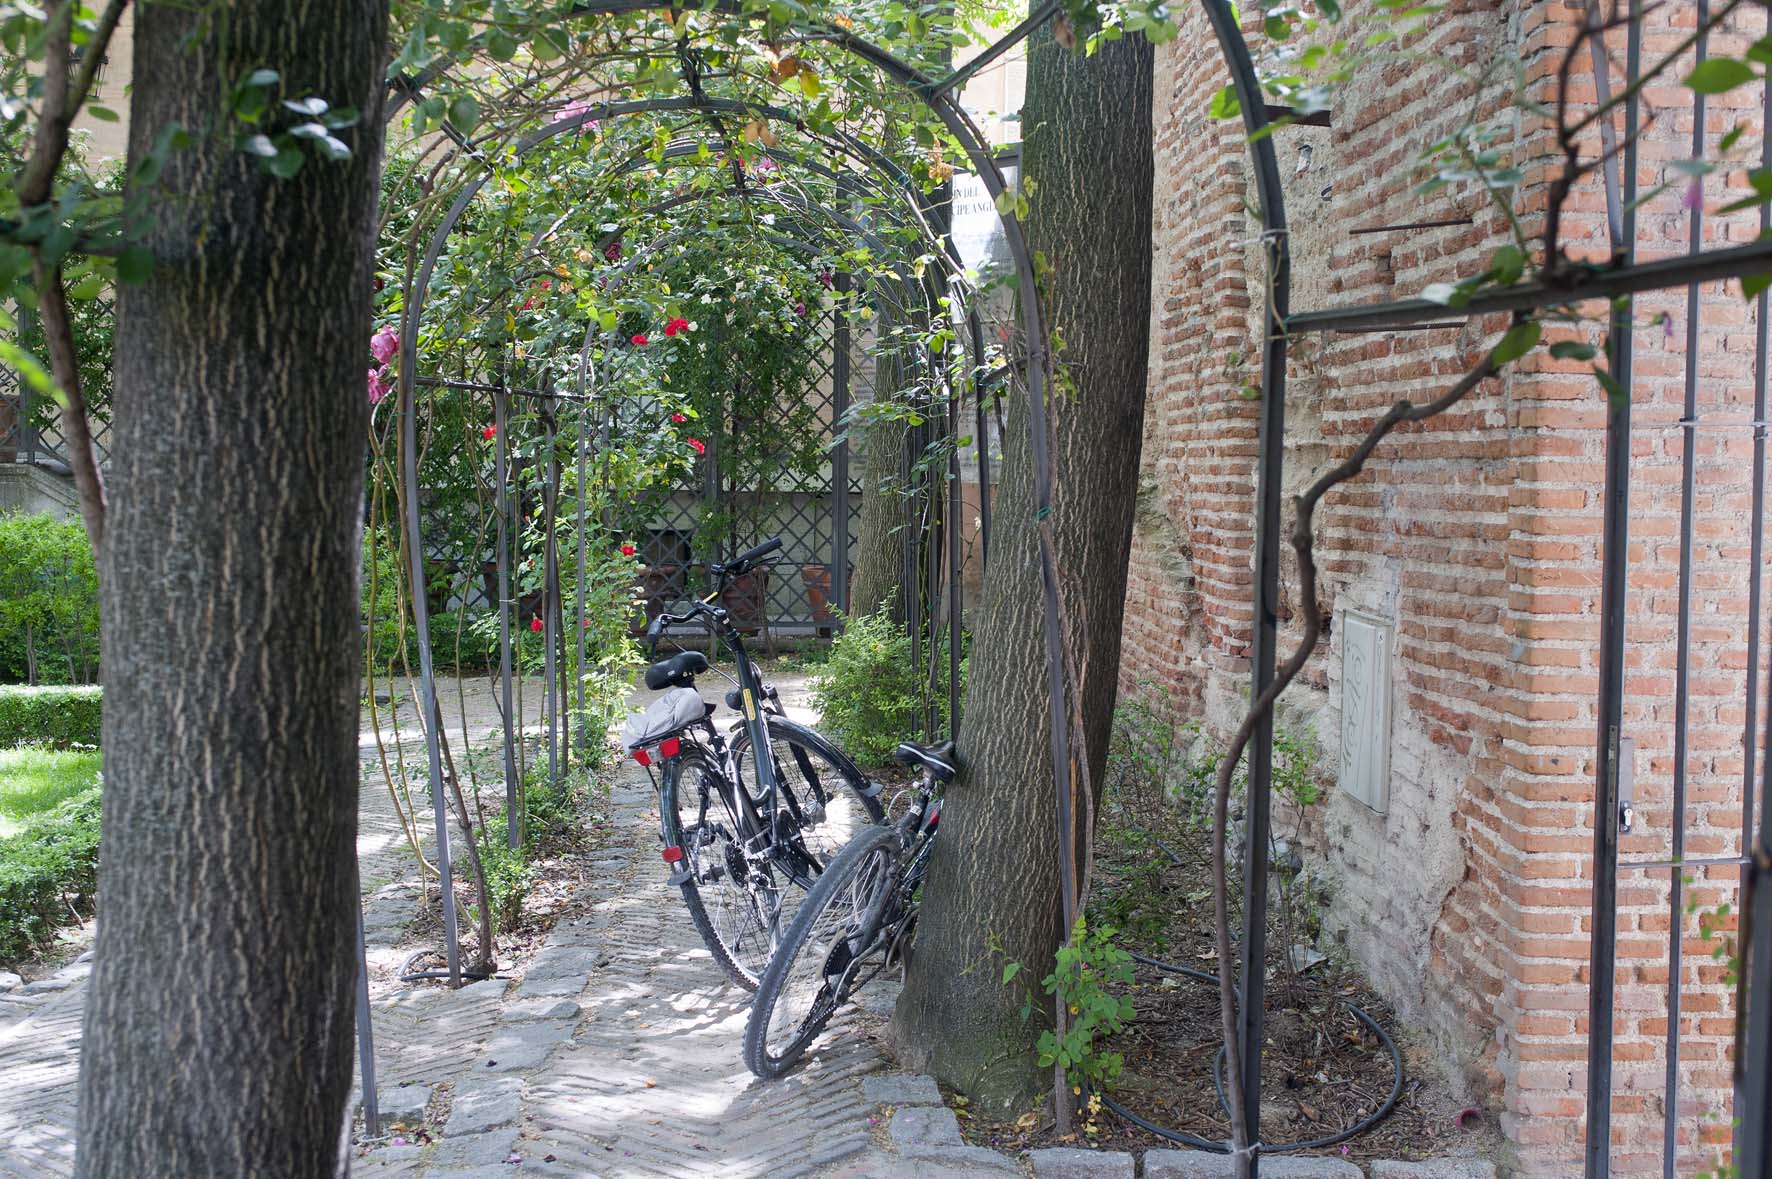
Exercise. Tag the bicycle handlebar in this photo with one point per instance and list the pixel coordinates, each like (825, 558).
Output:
(747, 560)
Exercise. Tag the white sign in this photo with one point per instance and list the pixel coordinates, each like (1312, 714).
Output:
(978, 231)
(1366, 709)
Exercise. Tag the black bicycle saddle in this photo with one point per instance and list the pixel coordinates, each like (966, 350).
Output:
(679, 671)
(937, 759)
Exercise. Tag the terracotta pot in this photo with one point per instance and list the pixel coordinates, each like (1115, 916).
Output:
(745, 598)
(817, 580)
(655, 587)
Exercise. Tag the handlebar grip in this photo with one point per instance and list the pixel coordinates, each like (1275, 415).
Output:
(758, 553)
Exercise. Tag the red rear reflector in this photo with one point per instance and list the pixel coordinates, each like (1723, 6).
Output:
(672, 854)
(668, 747)
(641, 756)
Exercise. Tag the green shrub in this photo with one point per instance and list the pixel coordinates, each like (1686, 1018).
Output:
(508, 874)
(48, 871)
(48, 602)
(869, 694)
(58, 717)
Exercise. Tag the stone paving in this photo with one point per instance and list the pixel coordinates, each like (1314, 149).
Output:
(615, 1055)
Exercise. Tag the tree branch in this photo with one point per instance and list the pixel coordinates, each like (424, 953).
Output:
(1305, 506)
(58, 332)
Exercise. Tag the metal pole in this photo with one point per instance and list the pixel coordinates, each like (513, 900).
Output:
(983, 438)
(366, 1035)
(1676, 926)
(1615, 558)
(500, 463)
(550, 596)
(840, 378)
(1268, 492)
(1753, 1049)
(421, 611)
(27, 399)
(578, 619)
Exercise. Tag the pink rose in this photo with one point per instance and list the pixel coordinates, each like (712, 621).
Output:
(384, 344)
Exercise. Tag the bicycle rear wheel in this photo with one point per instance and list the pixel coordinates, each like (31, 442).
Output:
(734, 913)
(813, 970)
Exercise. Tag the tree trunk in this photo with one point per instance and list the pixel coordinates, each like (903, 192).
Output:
(218, 1027)
(877, 581)
(993, 888)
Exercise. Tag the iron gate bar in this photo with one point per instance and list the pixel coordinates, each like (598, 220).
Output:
(1596, 283)
(1614, 596)
(1676, 925)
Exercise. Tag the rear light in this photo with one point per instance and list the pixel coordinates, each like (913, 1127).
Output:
(641, 756)
(669, 747)
(672, 855)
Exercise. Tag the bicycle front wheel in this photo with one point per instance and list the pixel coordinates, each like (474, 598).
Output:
(813, 970)
(824, 798)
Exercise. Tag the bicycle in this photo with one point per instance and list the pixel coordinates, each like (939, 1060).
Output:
(737, 844)
(860, 915)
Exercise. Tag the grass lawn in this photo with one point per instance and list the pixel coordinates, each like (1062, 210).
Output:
(35, 780)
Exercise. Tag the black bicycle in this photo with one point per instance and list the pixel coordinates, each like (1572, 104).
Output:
(858, 920)
(743, 833)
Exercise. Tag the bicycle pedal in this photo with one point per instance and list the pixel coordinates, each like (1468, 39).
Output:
(873, 789)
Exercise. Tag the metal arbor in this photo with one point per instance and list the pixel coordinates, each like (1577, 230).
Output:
(875, 169)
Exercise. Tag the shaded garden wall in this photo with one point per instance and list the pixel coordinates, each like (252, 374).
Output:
(1477, 538)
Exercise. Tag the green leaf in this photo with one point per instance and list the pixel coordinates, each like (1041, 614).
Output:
(135, 265)
(286, 163)
(464, 112)
(1507, 265)
(1224, 104)
(1010, 970)
(333, 149)
(257, 145)
(1753, 284)
(311, 105)
(1719, 75)
(1520, 339)
(261, 78)
(1573, 350)
(103, 114)
(1614, 391)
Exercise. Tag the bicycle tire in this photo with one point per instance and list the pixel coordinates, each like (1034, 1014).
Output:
(808, 753)
(857, 880)
(706, 865)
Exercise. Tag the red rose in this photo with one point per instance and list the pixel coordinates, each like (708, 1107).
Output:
(489, 432)
(676, 325)
(627, 550)
(638, 339)
(677, 417)
(535, 624)
(700, 446)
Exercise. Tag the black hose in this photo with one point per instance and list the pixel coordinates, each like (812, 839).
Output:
(1198, 1143)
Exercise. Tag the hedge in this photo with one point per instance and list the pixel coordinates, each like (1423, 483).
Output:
(48, 871)
(55, 716)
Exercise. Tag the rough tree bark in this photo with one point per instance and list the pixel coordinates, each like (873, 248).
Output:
(218, 1029)
(878, 561)
(993, 892)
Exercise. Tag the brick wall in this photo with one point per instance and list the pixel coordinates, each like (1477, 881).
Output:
(1477, 537)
